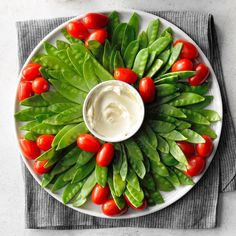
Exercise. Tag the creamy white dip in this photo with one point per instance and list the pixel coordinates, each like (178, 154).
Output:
(114, 110)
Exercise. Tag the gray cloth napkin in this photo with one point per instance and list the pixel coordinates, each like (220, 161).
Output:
(198, 208)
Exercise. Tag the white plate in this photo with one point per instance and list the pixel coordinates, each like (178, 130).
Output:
(216, 105)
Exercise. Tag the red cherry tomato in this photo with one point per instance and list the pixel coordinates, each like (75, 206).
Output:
(205, 149)
(29, 149)
(95, 21)
(44, 142)
(39, 167)
(100, 194)
(24, 90)
(105, 154)
(77, 30)
(141, 208)
(196, 165)
(31, 71)
(40, 85)
(187, 148)
(182, 65)
(99, 35)
(110, 208)
(202, 72)
(189, 51)
(147, 89)
(88, 143)
(125, 75)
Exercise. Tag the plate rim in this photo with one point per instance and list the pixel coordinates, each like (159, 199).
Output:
(149, 210)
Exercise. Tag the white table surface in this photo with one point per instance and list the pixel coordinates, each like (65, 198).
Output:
(12, 190)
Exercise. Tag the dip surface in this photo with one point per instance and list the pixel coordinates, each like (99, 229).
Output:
(114, 110)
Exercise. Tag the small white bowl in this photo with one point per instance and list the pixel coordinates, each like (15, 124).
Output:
(140, 113)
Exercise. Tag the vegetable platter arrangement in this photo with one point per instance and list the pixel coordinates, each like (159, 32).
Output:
(113, 116)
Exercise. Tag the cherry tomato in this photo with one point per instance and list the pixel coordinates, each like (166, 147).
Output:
(100, 194)
(189, 51)
(202, 72)
(39, 167)
(40, 85)
(44, 142)
(88, 143)
(105, 154)
(99, 35)
(77, 30)
(125, 75)
(31, 71)
(147, 89)
(142, 207)
(182, 65)
(95, 21)
(187, 148)
(24, 90)
(205, 149)
(196, 165)
(29, 149)
(110, 208)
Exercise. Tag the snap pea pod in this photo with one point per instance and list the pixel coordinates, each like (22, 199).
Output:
(199, 89)
(152, 30)
(62, 44)
(97, 49)
(168, 159)
(146, 163)
(161, 126)
(134, 22)
(60, 107)
(173, 178)
(66, 90)
(133, 201)
(132, 179)
(167, 80)
(46, 129)
(192, 136)
(130, 53)
(44, 72)
(124, 165)
(166, 99)
(63, 56)
(152, 139)
(140, 62)
(53, 97)
(176, 152)
(166, 30)
(186, 98)
(101, 175)
(118, 183)
(162, 146)
(117, 160)
(173, 135)
(84, 158)
(129, 36)
(153, 198)
(111, 61)
(83, 171)
(106, 55)
(118, 34)
(183, 179)
(156, 66)
(166, 89)
(47, 155)
(169, 110)
(211, 115)
(181, 166)
(148, 182)
(50, 49)
(173, 57)
(54, 74)
(59, 183)
(163, 183)
(31, 136)
(40, 118)
(118, 61)
(70, 173)
(85, 191)
(71, 135)
(181, 74)
(29, 125)
(164, 56)
(118, 200)
(143, 40)
(114, 21)
(37, 57)
(151, 59)
(195, 117)
(204, 129)
(70, 38)
(201, 105)
(137, 195)
(34, 101)
(160, 45)
(53, 160)
(71, 190)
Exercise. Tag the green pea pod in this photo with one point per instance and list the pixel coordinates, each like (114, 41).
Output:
(152, 30)
(140, 62)
(167, 80)
(158, 167)
(55, 74)
(124, 165)
(162, 146)
(192, 136)
(130, 53)
(97, 49)
(176, 152)
(164, 56)
(146, 163)
(66, 90)
(111, 61)
(133, 201)
(151, 59)
(118, 200)
(71, 190)
(166, 30)
(154, 198)
(84, 158)
(199, 89)
(53, 160)
(181, 166)
(195, 117)
(44, 72)
(134, 22)
(85, 191)
(114, 21)
(47, 155)
(183, 179)
(63, 56)
(169, 110)
(40, 118)
(161, 126)
(60, 107)
(173, 57)
(118, 34)
(137, 195)
(143, 40)
(159, 45)
(129, 36)
(53, 97)
(211, 115)
(31, 136)
(37, 58)
(166, 99)
(152, 139)
(148, 182)
(70, 38)
(106, 55)
(201, 105)
(132, 179)
(71, 135)
(174, 135)
(59, 183)
(34, 101)
(101, 175)
(204, 129)
(181, 74)
(50, 49)
(173, 178)
(70, 173)
(168, 159)
(69, 159)
(119, 184)
(163, 184)
(46, 129)
(156, 66)
(166, 89)
(29, 125)
(62, 44)
(83, 171)
(117, 160)
(118, 61)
